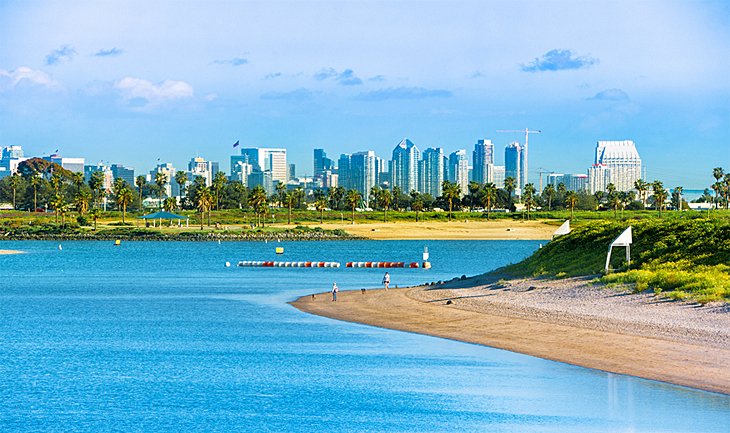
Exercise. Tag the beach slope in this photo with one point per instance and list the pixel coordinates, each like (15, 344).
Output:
(571, 322)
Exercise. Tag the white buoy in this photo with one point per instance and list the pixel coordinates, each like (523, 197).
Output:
(60, 248)
(219, 241)
(228, 264)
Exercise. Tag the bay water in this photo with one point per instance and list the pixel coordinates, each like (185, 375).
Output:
(161, 336)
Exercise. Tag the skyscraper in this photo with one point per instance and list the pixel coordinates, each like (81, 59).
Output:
(458, 170)
(121, 172)
(513, 164)
(620, 160)
(358, 171)
(431, 172)
(404, 166)
(264, 159)
(322, 163)
(483, 155)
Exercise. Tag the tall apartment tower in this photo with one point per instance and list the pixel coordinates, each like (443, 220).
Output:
(458, 170)
(265, 159)
(513, 163)
(483, 155)
(431, 172)
(404, 166)
(121, 172)
(322, 163)
(621, 161)
(358, 171)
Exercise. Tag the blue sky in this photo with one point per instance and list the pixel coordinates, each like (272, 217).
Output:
(131, 82)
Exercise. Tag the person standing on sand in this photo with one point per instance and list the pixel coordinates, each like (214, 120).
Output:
(386, 280)
(335, 289)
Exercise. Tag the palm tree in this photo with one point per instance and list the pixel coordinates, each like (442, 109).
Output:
(78, 180)
(374, 193)
(473, 188)
(677, 197)
(571, 199)
(549, 192)
(204, 200)
(489, 194)
(181, 178)
(289, 198)
(417, 204)
(510, 184)
(385, 198)
(14, 184)
(35, 182)
(219, 181)
(81, 201)
(280, 190)
(95, 214)
(396, 193)
(258, 201)
(299, 194)
(660, 195)
(160, 180)
(529, 197)
(642, 187)
(451, 192)
(123, 198)
(96, 184)
(614, 199)
(170, 204)
(353, 198)
(726, 189)
(321, 204)
(58, 204)
(140, 182)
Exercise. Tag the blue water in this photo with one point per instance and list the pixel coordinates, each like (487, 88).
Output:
(155, 336)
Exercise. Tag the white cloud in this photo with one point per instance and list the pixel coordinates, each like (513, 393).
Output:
(137, 89)
(25, 76)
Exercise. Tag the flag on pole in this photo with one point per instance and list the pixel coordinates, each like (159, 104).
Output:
(236, 143)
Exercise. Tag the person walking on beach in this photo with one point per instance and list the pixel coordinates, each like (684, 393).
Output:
(335, 289)
(386, 280)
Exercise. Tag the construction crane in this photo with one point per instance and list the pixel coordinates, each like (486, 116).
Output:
(541, 171)
(527, 132)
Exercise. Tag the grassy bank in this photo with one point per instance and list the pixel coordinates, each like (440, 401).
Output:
(679, 258)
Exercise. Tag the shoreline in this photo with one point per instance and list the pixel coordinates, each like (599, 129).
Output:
(574, 323)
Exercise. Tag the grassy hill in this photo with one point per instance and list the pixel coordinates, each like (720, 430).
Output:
(681, 258)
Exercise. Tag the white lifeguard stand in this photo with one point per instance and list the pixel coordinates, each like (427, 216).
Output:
(623, 240)
(564, 229)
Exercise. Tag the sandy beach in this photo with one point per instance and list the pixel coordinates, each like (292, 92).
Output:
(2, 252)
(454, 230)
(570, 321)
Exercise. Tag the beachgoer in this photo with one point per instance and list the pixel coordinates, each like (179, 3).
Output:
(386, 280)
(335, 289)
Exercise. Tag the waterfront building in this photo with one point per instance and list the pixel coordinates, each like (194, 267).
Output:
(240, 171)
(622, 162)
(513, 164)
(572, 182)
(75, 165)
(121, 172)
(599, 176)
(431, 172)
(458, 170)
(199, 167)
(483, 155)
(404, 166)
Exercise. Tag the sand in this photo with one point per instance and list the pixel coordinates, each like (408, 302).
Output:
(2, 252)
(454, 230)
(569, 321)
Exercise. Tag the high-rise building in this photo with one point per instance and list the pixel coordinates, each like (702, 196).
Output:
(199, 167)
(265, 159)
(498, 175)
(170, 187)
(106, 173)
(292, 171)
(431, 172)
(358, 171)
(599, 176)
(513, 164)
(404, 166)
(483, 155)
(322, 163)
(621, 160)
(572, 182)
(121, 172)
(458, 170)
(10, 158)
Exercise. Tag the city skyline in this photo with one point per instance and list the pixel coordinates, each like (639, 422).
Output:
(132, 82)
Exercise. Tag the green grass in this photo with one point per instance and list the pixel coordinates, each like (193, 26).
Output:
(679, 258)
